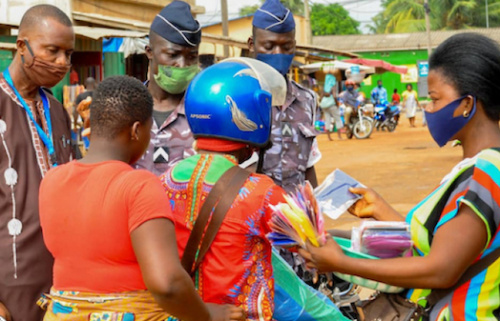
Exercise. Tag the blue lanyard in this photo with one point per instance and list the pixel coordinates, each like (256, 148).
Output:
(47, 139)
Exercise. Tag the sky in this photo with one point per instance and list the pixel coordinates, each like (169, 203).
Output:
(360, 10)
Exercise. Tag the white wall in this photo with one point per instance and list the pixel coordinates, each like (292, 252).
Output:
(11, 11)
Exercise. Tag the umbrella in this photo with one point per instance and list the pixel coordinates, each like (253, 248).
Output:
(379, 65)
(331, 66)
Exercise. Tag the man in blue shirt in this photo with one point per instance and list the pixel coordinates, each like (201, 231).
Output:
(378, 93)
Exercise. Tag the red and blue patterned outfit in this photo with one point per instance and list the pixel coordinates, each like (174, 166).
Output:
(237, 268)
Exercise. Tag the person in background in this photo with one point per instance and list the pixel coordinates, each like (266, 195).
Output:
(90, 85)
(34, 137)
(410, 103)
(457, 224)
(237, 267)
(112, 234)
(331, 111)
(396, 99)
(378, 94)
(74, 79)
(174, 39)
(294, 151)
(350, 98)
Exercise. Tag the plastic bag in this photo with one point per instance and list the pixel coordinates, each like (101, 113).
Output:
(333, 194)
(296, 301)
(382, 239)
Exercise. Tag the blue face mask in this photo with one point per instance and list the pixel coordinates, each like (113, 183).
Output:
(350, 88)
(280, 62)
(443, 126)
(380, 86)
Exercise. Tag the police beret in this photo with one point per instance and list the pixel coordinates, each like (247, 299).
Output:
(273, 16)
(176, 24)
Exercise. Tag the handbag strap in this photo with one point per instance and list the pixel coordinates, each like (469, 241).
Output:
(471, 272)
(205, 228)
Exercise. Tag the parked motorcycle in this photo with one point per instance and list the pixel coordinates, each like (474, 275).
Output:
(386, 116)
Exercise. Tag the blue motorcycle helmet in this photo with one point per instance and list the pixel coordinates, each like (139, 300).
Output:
(232, 100)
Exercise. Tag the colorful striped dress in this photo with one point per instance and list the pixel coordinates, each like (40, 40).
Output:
(474, 182)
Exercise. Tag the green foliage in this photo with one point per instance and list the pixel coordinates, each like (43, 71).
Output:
(409, 15)
(248, 10)
(295, 6)
(332, 19)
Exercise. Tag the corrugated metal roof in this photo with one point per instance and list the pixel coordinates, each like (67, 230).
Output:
(98, 33)
(395, 41)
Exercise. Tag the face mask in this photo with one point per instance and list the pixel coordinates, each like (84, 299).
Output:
(443, 126)
(380, 86)
(175, 80)
(280, 62)
(350, 88)
(42, 72)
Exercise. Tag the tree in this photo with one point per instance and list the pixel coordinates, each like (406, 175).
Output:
(332, 19)
(295, 6)
(409, 15)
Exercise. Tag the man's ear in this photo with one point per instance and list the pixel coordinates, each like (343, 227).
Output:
(251, 45)
(149, 52)
(21, 46)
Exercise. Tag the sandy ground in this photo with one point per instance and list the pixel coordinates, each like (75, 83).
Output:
(403, 166)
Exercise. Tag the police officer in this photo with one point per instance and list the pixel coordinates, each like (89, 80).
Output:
(174, 39)
(294, 149)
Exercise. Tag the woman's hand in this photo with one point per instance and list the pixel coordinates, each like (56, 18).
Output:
(225, 312)
(372, 205)
(324, 258)
(4, 312)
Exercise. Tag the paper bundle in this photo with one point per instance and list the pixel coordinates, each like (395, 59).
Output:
(333, 194)
(297, 220)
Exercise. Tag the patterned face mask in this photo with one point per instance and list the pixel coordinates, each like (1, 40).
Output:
(175, 80)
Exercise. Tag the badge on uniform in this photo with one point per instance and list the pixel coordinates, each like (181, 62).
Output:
(160, 155)
(286, 129)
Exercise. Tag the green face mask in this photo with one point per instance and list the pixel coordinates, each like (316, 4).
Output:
(175, 80)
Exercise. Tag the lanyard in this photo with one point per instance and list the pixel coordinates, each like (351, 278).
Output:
(47, 139)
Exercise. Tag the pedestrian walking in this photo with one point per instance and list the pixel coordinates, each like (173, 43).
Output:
(410, 103)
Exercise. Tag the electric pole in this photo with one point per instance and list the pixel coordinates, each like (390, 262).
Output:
(487, 16)
(308, 23)
(428, 26)
(225, 27)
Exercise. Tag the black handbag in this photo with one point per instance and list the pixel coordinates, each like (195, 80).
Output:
(393, 307)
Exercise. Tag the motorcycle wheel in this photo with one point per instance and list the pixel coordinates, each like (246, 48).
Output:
(391, 126)
(359, 131)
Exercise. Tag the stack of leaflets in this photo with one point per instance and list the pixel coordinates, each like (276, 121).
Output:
(297, 220)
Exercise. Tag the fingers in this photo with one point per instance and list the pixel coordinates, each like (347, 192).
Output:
(358, 190)
(305, 254)
(237, 314)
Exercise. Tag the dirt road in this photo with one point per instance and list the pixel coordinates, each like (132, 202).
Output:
(403, 166)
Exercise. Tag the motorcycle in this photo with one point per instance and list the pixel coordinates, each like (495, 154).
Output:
(386, 116)
(361, 126)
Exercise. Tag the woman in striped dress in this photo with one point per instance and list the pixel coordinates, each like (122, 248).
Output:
(457, 224)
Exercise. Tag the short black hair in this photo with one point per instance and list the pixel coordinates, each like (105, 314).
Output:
(117, 103)
(470, 62)
(395, 90)
(409, 85)
(34, 15)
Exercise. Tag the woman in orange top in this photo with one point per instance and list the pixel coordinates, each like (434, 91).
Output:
(109, 227)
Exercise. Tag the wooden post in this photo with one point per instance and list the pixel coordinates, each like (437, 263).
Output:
(428, 27)
(308, 23)
(225, 27)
